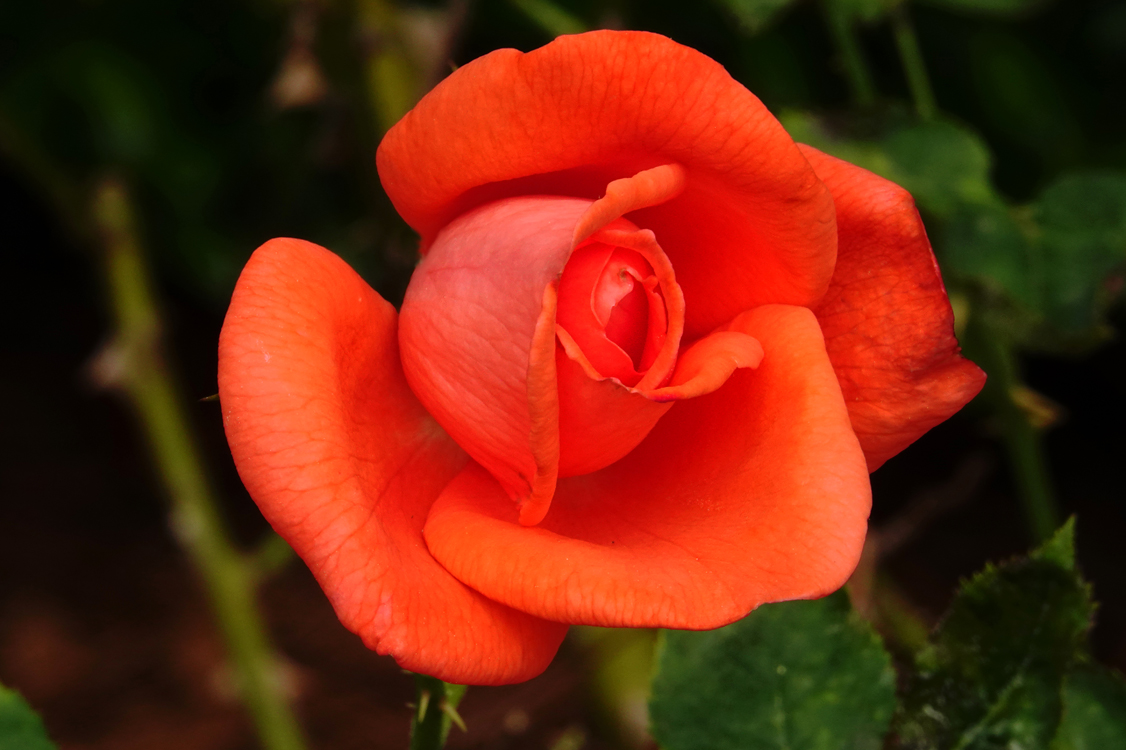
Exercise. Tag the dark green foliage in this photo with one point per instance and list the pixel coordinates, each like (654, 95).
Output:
(1094, 711)
(863, 10)
(992, 675)
(1050, 270)
(755, 15)
(1058, 262)
(1082, 223)
(989, 7)
(20, 727)
(988, 245)
(806, 674)
(942, 164)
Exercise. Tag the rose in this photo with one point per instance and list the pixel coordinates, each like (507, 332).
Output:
(641, 374)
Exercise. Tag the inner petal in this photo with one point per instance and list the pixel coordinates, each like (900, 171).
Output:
(627, 321)
(606, 305)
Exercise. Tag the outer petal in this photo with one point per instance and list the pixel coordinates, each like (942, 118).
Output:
(345, 463)
(888, 325)
(757, 492)
(753, 224)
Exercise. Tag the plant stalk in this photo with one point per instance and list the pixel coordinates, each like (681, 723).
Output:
(856, 70)
(911, 57)
(1022, 440)
(435, 710)
(134, 362)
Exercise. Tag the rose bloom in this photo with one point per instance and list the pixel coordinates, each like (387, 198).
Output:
(651, 353)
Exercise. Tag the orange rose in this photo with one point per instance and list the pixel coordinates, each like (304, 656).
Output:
(651, 353)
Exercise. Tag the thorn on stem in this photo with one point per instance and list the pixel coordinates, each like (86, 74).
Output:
(451, 712)
(423, 704)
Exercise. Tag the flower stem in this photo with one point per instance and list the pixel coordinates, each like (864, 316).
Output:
(551, 18)
(852, 57)
(1022, 440)
(435, 711)
(911, 57)
(901, 622)
(134, 363)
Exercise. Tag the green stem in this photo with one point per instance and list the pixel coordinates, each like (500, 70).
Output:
(134, 362)
(393, 82)
(911, 57)
(852, 57)
(552, 19)
(435, 711)
(906, 630)
(271, 555)
(1022, 440)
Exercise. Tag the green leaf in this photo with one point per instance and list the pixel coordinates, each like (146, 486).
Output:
(1082, 221)
(942, 164)
(805, 674)
(992, 674)
(755, 15)
(20, 727)
(989, 246)
(1094, 711)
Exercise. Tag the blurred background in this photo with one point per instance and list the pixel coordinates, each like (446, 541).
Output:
(147, 148)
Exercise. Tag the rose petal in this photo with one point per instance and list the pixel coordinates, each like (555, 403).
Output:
(650, 187)
(468, 333)
(708, 363)
(344, 463)
(623, 416)
(753, 224)
(888, 325)
(579, 318)
(757, 492)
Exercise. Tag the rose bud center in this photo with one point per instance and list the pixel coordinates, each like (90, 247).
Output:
(614, 347)
(611, 306)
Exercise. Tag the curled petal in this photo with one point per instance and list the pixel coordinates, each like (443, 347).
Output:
(650, 187)
(752, 224)
(543, 412)
(645, 243)
(756, 492)
(345, 463)
(708, 363)
(889, 329)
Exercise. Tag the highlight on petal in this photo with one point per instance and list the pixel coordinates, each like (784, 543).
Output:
(750, 225)
(344, 463)
(889, 329)
(756, 492)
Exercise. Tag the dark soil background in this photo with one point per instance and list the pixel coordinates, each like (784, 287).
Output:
(105, 630)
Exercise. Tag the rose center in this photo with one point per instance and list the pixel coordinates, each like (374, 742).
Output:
(628, 321)
(610, 304)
